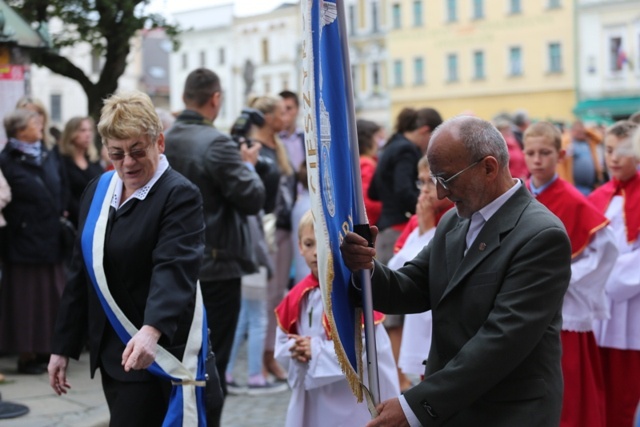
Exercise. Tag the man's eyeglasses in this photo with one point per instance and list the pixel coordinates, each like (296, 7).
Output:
(445, 182)
(136, 154)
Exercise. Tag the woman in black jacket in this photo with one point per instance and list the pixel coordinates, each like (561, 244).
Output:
(394, 182)
(81, 159)
(33, 275)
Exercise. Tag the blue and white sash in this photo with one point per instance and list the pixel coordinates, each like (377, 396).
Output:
(186, 403)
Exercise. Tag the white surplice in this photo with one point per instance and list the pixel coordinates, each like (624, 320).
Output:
(320, 394)
(622, 329)
(416, 332)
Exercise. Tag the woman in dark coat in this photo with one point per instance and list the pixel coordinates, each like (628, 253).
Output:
(81, 159)
(33, 274)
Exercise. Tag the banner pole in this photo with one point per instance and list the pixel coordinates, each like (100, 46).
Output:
(361, 216)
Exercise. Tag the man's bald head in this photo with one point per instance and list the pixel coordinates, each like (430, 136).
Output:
(478, 137)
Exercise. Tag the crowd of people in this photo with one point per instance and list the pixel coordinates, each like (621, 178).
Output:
(503, 267)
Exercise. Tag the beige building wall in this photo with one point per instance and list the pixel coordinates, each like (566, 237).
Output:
(545, 92)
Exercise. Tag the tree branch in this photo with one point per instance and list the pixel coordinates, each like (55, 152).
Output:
(61, 65)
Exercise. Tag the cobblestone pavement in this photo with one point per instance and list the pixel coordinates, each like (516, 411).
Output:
(84, 405)
(268, 410)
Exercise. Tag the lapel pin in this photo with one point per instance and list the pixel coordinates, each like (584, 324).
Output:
(483, 246)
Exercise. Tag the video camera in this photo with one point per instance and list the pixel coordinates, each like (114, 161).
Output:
(242, 125)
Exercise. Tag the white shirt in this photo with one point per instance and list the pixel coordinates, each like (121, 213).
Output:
(140, 193)
(479, 218)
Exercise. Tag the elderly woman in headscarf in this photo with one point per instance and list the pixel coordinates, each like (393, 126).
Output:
(133, 284)
(33, 273)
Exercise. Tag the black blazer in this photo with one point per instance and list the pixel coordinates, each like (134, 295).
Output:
(495, 352)
(394, 182)
(153, 252)
(33, 216)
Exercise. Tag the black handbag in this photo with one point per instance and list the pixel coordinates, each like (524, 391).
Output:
(214, 399)
(67, 235)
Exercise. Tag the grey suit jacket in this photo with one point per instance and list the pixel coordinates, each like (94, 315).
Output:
(495, 353)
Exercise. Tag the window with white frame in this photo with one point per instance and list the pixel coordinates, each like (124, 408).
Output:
(554, 4)
(515, 61)
(515, 6)
(396, 15)
(397, 73)
(555, 57)
(452, 10)
(418, 71)
(185, 61)
(265, 51)
(618, 53)
(375, 77)
(452, 67)
(375, 17)
(478, 65)
(56, 107)
(417, 13)
(352, 19)
(478, 9)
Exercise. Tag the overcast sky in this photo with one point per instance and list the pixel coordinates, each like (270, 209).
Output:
(242, 7)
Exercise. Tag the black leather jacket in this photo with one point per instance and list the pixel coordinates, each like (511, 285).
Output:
(230, 191)
(394, 182)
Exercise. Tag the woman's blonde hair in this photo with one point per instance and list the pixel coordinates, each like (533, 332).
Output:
(66, 145)
(267, 104)
(129, 115)
(34, 104)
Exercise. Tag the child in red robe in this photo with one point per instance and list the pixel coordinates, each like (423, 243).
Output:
(320, 394)
(619, 335)
(593, 256)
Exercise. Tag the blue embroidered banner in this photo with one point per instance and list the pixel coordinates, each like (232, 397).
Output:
(331, 165)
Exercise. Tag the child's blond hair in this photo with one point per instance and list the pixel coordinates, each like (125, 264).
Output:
(305, 221)
(545, 130)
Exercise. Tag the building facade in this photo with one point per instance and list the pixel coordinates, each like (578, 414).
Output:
(207, 41)
(254, 55)
(482, 56)
(367, 31)
(608, 60)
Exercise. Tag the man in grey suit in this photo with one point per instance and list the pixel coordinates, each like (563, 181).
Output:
(494, 276)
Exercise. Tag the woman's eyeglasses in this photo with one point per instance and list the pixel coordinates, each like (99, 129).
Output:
(137, 154)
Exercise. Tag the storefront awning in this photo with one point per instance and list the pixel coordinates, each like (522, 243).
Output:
(15, 29)
(607, 108)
